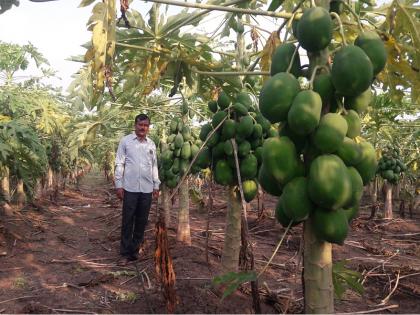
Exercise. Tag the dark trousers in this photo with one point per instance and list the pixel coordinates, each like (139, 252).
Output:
(135, 214)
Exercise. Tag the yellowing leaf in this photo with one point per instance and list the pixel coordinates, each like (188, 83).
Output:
(270, 46)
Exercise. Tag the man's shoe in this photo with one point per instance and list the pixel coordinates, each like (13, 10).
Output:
(132, 257)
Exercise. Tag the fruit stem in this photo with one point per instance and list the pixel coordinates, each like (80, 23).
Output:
(311, 81)
(355, 15)
(341, 108)
(341, 27)
(293, 58)
(275, 250)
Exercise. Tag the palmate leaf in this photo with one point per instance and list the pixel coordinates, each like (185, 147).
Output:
(232, 280)
(344, 278)
(102, 25)
(403, 45)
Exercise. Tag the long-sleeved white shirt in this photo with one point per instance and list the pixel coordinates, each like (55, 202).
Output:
(136, 165)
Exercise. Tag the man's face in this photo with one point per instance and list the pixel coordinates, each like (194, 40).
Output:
(141, 128)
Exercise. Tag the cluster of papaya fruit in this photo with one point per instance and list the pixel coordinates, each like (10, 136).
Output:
(239, 119)
(177, 153)
(318, 165)
(390, 167)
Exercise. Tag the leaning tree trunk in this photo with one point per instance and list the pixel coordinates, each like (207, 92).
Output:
(166, 204)
(20, 199)
(388, 201)
(232, 244)
(319, 290)
(183, 232)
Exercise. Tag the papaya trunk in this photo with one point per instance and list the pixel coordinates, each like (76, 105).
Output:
(166, 204)
(50, 179)
(232, 243)
(374, 198)
(317, 255)
(38, 188)
(319, 291)
(183, 231)
(388, 201)
(5, 185)
(20, 194)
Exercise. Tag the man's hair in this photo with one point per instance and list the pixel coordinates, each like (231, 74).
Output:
(141, 117)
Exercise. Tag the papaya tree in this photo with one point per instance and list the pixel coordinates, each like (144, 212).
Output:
(319, 164)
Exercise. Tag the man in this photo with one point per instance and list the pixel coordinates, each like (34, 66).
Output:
(136, 182)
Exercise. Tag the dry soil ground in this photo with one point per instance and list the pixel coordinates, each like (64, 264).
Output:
(63, 258)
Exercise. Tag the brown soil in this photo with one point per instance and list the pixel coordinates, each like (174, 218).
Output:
(63, 258)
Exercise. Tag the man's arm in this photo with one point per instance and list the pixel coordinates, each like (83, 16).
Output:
(155, 174)
(119, 169)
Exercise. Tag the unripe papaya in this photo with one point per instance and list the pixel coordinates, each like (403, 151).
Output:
(223, 100)
(248, 167)
(315, 29)
(330, 133)
(217, 118)
(179, 141)
(243, 148)
(296, 202)
(186, 151)
(351, 212)
(281, 216)
(360, 102)
(374, 48)
(223, 174)
(212, 105)
(324, 87)
(282, 57)
(357, 187)
(205, 130)
(352, 71)
(244, 99)
(228, 129)
(330, 226)
(350, 152)
(305, 112)
(245, 127)
(240, 109)
(250, 190)
(353, 123)
(268, 182)
(277, 96)
(368, 163)
(329, 184)
(280, 158)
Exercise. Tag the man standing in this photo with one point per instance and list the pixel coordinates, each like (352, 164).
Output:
(136, 181)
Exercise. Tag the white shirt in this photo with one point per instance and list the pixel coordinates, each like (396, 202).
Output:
(136, 165)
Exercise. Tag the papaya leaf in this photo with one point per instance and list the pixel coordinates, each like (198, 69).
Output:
(270, 46)
(232, 280)
(274, 5)
(344, 279)
(85, 3)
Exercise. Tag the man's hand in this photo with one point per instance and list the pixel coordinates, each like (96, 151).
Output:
(120, 193)
(155, 194)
